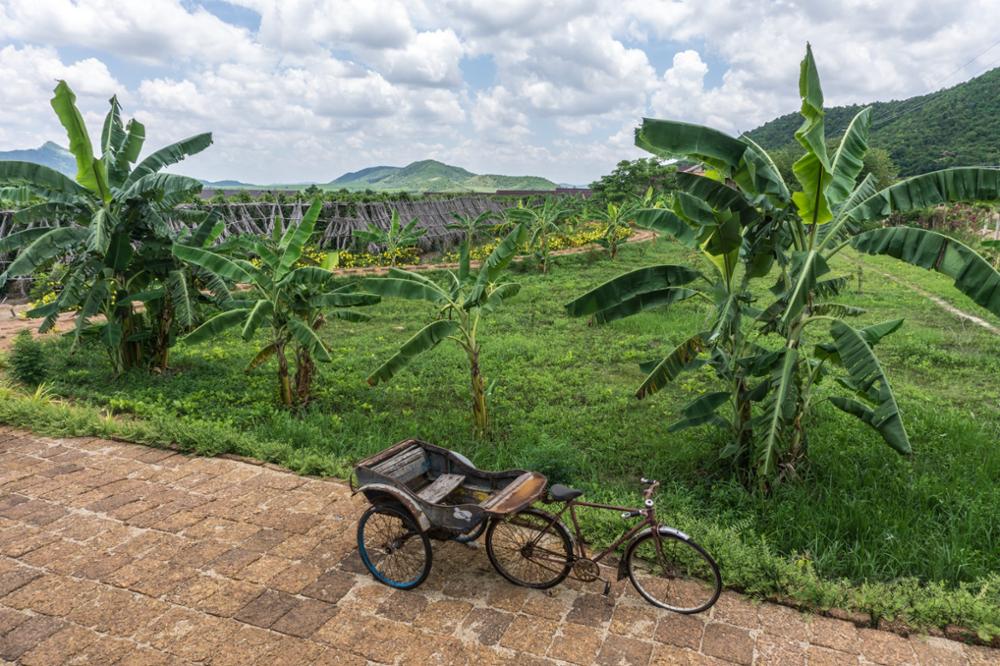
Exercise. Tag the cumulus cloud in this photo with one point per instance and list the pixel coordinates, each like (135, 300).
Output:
(306, 89)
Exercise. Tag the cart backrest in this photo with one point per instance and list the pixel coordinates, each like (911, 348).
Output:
(405, 465)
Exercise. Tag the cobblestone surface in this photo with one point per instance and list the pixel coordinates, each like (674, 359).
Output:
(114, 553)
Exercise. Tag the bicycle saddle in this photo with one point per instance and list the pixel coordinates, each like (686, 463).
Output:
(562, 493)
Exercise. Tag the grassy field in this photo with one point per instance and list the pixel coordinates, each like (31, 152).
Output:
(859, 515)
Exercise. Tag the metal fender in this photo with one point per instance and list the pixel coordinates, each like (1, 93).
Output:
(402, 498)
(622, 571)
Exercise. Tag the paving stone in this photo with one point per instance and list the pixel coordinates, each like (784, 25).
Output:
(636, 621)
(783, 621)
(935, 651)
(883, 647)
(529, 634)
(835, 634)
(305, 618)
(552, 604)
(27, 635)
(59, 647)
(734, 609)
(622, 651)
(330, 587)
(266, 609)
(778, 651)
(487, 625)
(680, 630)
(576, 643)
(590, 609)
(443, 616)
(295, 578)
(821, 656)
(728, 642)
(17, 578)
(403, 606)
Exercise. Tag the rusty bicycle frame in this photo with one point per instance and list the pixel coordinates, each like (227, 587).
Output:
(648, 511)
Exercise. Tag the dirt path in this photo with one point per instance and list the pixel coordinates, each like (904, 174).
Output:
(938, 301)
(114, 553)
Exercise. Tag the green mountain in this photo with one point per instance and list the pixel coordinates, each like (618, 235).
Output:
(49, 154)
(434, 176)
(957, 126)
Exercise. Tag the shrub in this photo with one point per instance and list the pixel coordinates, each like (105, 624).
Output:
(27, 360)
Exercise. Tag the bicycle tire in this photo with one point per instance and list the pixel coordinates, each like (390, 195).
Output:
(556, 557)
(701, 579)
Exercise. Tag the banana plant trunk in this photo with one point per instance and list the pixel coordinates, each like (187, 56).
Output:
(305, 368)
(284, 383)
(161, 343)
(480, 413)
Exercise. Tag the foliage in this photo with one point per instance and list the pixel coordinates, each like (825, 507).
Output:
(394, 239)
(542, 223)
(935, 131)
(112, 230)
(632, 178)
(617, 220)
(877, 162)
(460, 305)
(291, 303)
(27, 360)
(744, 220)
(434, 176)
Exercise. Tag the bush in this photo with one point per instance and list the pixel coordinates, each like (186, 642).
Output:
(27, 360)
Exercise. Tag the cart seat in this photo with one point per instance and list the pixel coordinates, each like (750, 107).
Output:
(441, 488)
(561, 493)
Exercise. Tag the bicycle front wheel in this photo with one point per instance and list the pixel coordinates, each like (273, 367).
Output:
(673, 572)
(531, 548)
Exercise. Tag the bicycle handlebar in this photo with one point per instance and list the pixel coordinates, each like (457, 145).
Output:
(653, 485)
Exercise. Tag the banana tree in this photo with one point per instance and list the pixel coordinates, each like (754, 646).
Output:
(541, 223)
(742, 214)
(461, 303)
(616, 219)
(471, 229)
(394, 239)
(110, 225)
(291, 302)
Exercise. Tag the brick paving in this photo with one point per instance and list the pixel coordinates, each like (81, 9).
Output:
(114, 553)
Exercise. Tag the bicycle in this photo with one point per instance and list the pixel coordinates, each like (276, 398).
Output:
(534, 548)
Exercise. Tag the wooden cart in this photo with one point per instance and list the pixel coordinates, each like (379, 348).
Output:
(420, 492)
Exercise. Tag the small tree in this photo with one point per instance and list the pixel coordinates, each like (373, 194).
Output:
(392, 240)
(461, 304)
(111, 224)
(291, 302)
(541, 224)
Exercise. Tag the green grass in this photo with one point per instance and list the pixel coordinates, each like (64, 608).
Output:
(862, 527)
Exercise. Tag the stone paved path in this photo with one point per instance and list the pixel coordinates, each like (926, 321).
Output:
(115, 553)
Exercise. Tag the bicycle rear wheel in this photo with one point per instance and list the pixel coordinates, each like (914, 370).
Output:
(673, 572)
(531, 548)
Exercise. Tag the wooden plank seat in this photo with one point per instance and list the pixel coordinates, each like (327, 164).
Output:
(441, 487)
(405, 465)
(519, 493)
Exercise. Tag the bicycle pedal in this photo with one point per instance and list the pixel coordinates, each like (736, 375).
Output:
(607, 588)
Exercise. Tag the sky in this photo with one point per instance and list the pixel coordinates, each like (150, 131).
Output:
(305, 90)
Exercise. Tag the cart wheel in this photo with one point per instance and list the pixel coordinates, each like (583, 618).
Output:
(393, 548)
(471, 536)
(530, 548)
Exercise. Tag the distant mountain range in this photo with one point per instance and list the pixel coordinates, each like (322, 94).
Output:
(49, 154)
(434, 176)
(423, 176)
(957, 126)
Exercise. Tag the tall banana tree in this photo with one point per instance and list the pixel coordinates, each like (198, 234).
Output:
(461, 303)
(751, 225)
(291, 302)
(109, 222)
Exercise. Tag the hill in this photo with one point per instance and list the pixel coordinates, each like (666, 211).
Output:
(956, 126)
(49, 154)
(434, 176)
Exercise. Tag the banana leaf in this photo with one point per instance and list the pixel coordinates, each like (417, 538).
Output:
(629, 285)
(426, 339)
(683, 357)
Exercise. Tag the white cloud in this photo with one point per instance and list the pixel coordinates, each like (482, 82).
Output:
(323, 86)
